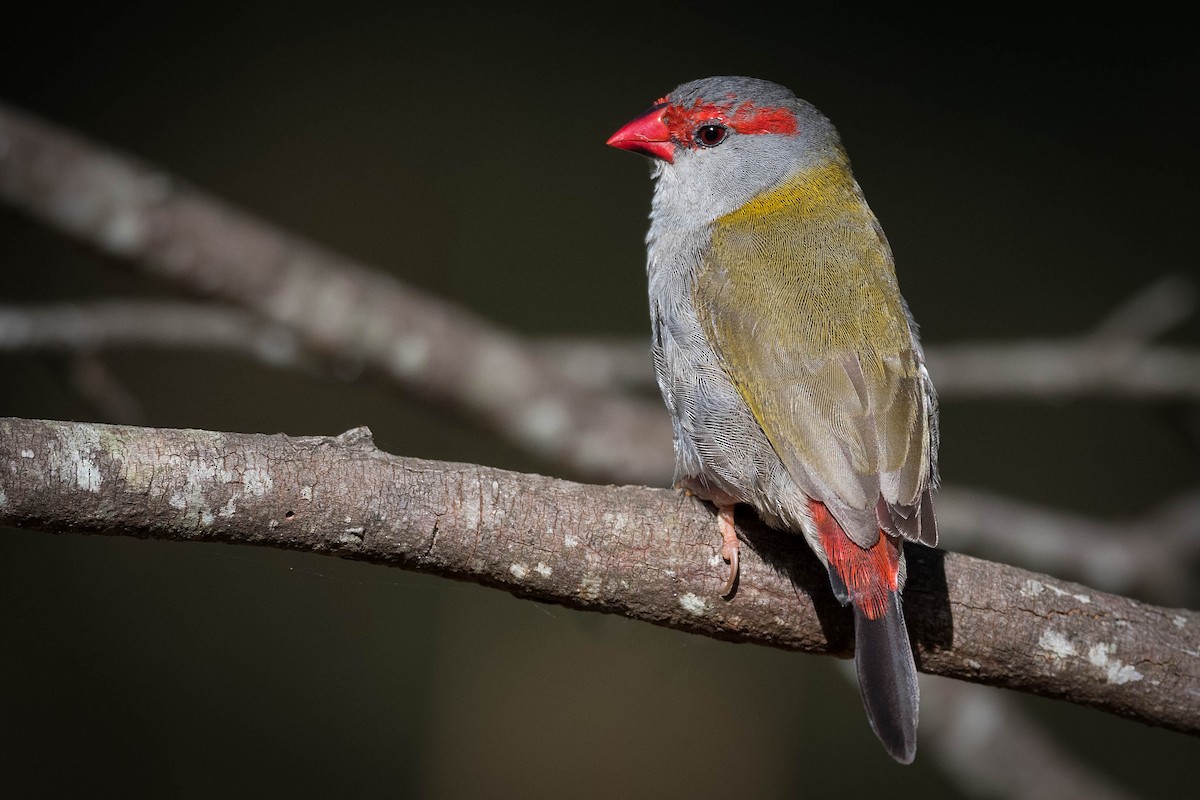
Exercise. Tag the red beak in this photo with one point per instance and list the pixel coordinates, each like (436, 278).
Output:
(648, 135)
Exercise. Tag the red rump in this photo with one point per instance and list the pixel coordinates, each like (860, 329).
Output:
(870, 574)
(743, 118)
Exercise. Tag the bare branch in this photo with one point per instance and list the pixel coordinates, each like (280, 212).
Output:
(648, 554)
(334, 306)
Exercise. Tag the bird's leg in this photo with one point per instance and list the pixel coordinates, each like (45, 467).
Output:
(725, 503)
(730, 547)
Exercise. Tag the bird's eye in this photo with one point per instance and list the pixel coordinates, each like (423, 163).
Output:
(711, 135)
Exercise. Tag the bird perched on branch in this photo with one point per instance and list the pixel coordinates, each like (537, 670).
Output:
(787, 358)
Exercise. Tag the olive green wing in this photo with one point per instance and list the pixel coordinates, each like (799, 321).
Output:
(802, 308)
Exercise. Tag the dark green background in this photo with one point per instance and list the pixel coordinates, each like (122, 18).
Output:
(1030, 172)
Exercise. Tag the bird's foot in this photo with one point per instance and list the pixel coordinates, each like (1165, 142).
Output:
(730, 547)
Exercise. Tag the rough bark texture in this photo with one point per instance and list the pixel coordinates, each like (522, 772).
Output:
(648, 554)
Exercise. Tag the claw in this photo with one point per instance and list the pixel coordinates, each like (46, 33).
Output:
(730, 547)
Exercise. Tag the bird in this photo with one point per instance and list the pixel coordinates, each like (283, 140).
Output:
(788, 359)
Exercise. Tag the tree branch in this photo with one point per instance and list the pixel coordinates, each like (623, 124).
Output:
(648, 554)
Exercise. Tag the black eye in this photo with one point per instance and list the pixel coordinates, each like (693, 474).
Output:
(711, 135)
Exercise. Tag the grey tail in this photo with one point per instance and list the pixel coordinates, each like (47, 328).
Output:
(887, 679)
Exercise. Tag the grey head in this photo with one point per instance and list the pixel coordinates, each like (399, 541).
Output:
(733, 138)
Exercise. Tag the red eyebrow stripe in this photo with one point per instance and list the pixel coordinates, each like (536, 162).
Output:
(748, 119)
(744, 118)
